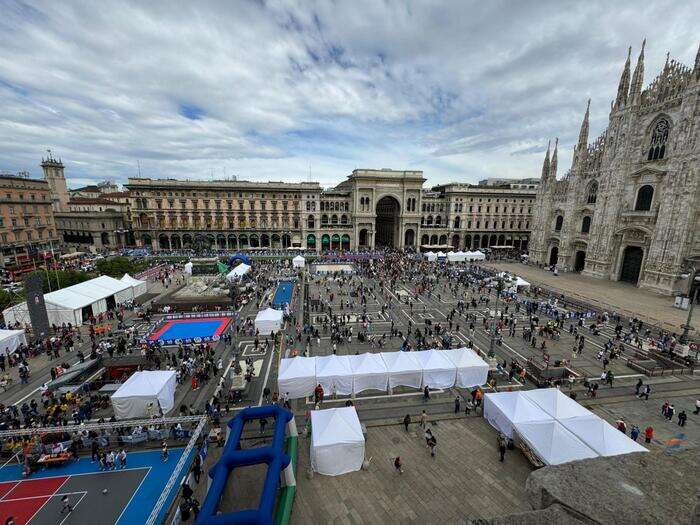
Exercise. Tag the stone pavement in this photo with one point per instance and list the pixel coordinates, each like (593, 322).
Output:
(465, 480)
(612, 295)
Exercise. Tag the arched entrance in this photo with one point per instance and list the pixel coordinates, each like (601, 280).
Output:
(345, 242)
(455, 241)
(631, 264)
(387, 222)
(580, 261)
(409, 237)
(364, 236)
(554, 256)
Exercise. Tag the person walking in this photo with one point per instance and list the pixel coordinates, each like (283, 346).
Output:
(66, 505)
(122, 458)
(645, 392)
(197, 468)
(682, 416)
(432, 444)
(669, 412)
(423, 419)
(426, 394)
(502, 447)
(634, 433)
(638, 386)
(697, 407)
(457, 404)
(648, 434)
(164, 452)
(406, 421)
(398, 465)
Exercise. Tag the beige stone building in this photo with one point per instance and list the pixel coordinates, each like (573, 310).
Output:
(27, 227)
(628, 209)
(371, 208)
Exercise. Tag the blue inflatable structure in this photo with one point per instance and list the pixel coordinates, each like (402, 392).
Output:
(239, 257)
(234, 457)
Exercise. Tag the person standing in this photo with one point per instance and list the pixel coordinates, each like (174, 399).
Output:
(122, 458)
(638, 386)
(682, 416)
(406, 421)
(164, 452)
(457, 404)
(423, 419)
(634, 433)
(426, 394)
(502, 447)
(669, 412)
(197, 468)
(65, 504)
(697, 407)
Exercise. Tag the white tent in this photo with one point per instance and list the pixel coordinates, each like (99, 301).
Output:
(521, 283)
(74, 303)
(503, 410)
(438, 370)
(456, 256)
(138, 287)
(431, 256)
(553, 443)
(369, 372)
(188, 268)
(297, 377)
(10, 340)
(334, 374)
(404, 369)
(471, 369)
(337, 443)
(441, 255)
(298, 262)
(599, 435)
(268, 321)
(478, 256)
(142, 389)
(238, 272)
(555, 403)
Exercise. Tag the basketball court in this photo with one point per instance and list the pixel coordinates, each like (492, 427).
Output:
(129, 497)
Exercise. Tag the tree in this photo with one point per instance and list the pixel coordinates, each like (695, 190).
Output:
(61, 278)
(118, 266)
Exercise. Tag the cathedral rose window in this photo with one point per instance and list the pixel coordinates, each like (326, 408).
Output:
(657, 146)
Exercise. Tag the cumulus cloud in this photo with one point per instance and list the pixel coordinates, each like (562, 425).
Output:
(293, 90)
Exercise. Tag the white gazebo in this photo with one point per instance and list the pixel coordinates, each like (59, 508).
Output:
(297, 377)
(269, 320)
(334, 374)
(404, 369)
(337, 442)
(144, 393)
(369, 372)
(298, 262)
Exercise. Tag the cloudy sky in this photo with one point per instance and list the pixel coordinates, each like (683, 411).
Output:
(295, 89)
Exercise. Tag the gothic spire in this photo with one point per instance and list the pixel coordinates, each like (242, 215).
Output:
(582, 144)
(638, 77)
(624, 86)
(545, 165)
(697, 64)
(553, 165)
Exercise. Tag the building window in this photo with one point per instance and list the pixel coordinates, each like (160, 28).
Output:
(586, 225)
(657, 146)
(644, 197)
(592, 193)
(558, 223)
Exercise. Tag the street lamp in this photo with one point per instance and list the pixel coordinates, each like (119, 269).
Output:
(499, 289)
(693, 297)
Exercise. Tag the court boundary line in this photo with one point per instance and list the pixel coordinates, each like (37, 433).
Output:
(86, 473)
(44, 495)
(48, 499)
(74, 507)
(16, 482)
(133, 494)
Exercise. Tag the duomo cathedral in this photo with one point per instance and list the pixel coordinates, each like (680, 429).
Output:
(628, 209)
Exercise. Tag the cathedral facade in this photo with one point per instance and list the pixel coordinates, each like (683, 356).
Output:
(628, 209)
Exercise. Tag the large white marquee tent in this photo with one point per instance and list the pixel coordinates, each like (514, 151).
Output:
(345, 375)
(238, 272)
(298, 262)
(10, 340)
(337, 442)
(554, 426)
(155, 388)
(76, 303)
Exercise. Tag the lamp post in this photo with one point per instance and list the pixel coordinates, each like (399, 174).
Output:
(692, 296)
(499, 288)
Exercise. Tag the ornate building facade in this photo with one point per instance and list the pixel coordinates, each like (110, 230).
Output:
(371, 208)
(628, 209)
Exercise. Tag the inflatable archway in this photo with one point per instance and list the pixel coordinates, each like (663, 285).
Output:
(239, 257)
(233, 457)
